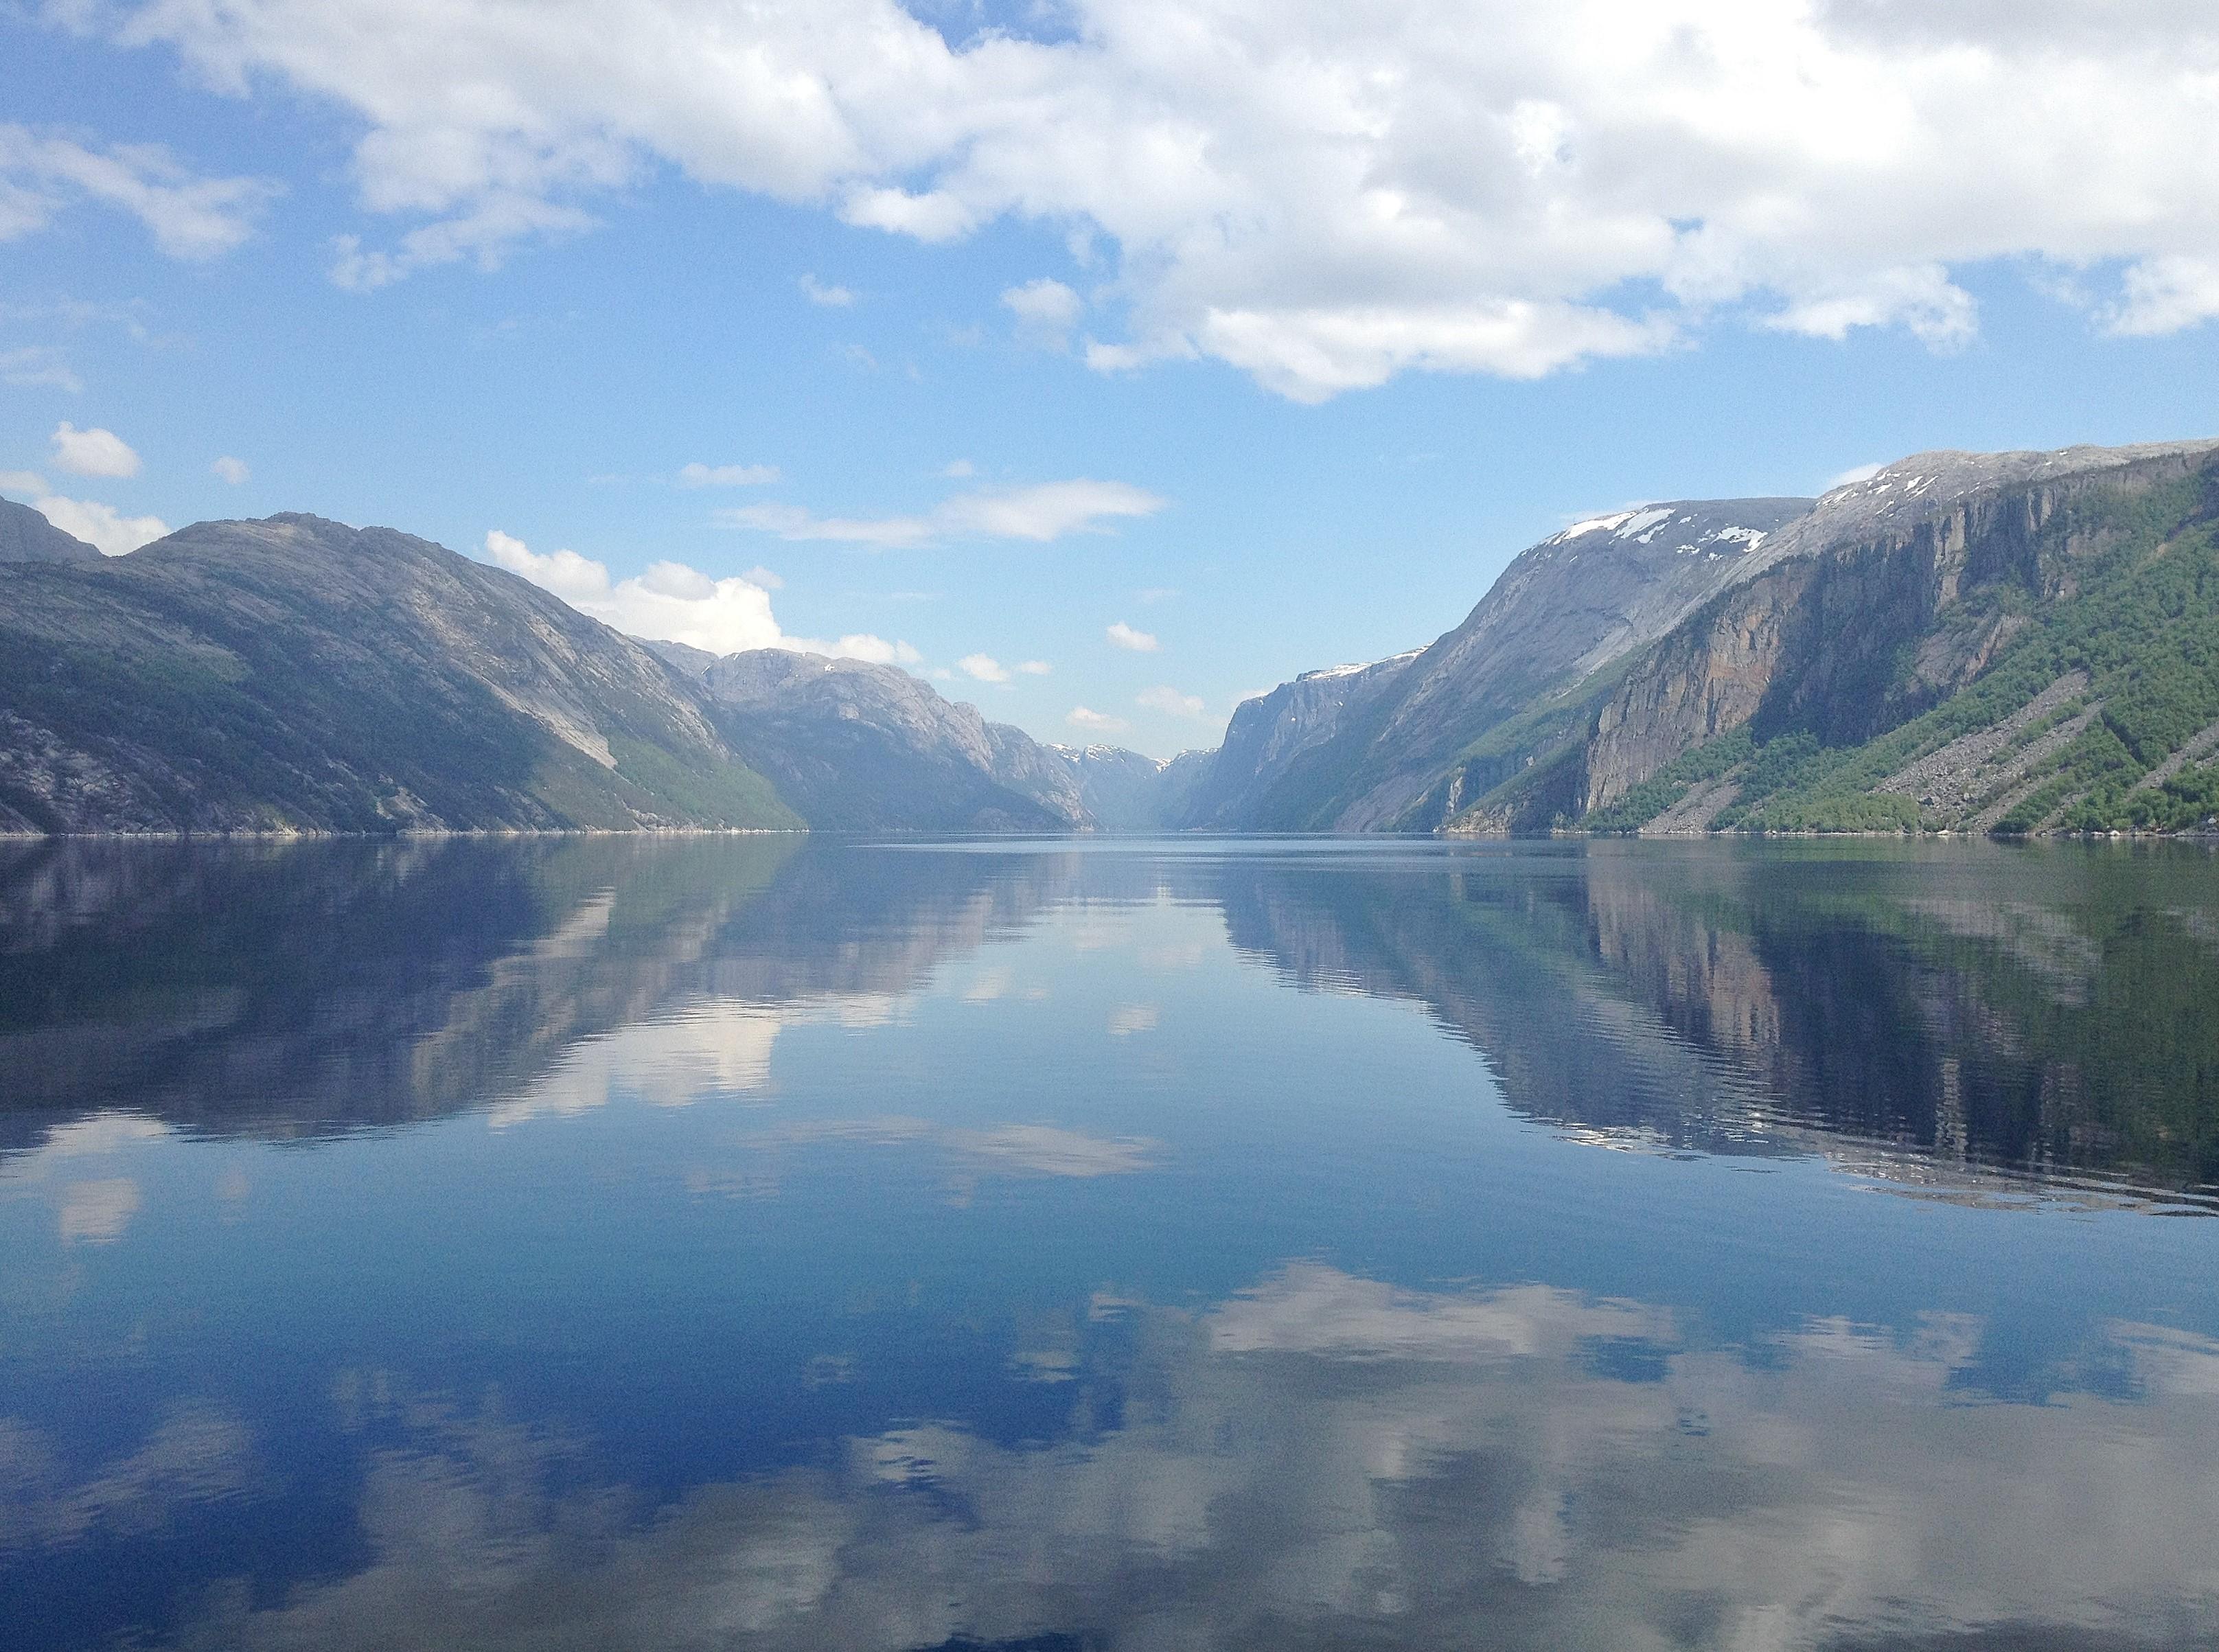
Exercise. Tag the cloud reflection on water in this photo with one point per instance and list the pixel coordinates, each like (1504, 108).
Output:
(1325, 1460)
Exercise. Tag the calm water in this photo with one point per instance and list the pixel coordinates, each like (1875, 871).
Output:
(1120, 1243)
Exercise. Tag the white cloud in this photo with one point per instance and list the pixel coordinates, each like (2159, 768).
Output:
(1320, 195)
(957, 469)
(39, 366)
(1041, 512)
(1170, 700)
(861, 646)
(1853, 474)
(1095, 722)
(2165, 295)
(232, 470)
(1035, 667)
(726, 475)
(791, 522)
(22, 482)
(832, 297)
(93, 452)
(984, 667)
(673, 603)
(761, 575)
(1046, 310)
(1048, 510)
(188, 217)
(1137, 641)
(101, 526)
(483, 236)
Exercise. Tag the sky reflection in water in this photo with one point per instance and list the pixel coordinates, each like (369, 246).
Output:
(752, 1243)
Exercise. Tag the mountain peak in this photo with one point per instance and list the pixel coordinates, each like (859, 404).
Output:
(26, 535)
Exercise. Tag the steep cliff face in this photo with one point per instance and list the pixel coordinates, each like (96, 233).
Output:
(1562, 612)
(1886, 606)
(868, 747)
(297, 673)
(1243, 785)
(1406, 743)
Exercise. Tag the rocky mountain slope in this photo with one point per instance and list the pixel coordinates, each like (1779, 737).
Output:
(1963, 641)
(2000, 642)
(28, 537)
(297, 674)
(856, 747)
(1399, 745)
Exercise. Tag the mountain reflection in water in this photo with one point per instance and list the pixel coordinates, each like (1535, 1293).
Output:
(758, 1243)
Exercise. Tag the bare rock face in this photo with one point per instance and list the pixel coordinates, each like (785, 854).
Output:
(1816, 639)
(28, 537)
(1388, 745)
(1269, 737)
(858, 747)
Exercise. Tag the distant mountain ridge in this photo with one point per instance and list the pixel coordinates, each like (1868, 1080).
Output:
(859, 747)
(1961, 642)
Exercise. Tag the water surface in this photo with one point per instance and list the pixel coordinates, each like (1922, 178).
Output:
(1114, 1243)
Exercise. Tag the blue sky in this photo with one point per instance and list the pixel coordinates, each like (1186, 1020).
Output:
(1242, 425)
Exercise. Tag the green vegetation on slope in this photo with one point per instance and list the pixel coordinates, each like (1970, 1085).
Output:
(2139, 618)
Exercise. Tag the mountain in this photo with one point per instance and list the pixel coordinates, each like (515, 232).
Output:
(1961, 642)
(28, 537)
(1402, 744)
(1126, 792)
(297, 674)
(1269, 732)
(856, 746)
(2017, 642)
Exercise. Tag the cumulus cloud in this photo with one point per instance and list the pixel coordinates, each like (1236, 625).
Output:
(232, 470)
(22, 482)
(726, 475)
(1321, 197)
(832, 297)
(1035, 667)
(1170, 700)
(673, 603)
(984, 667)
(93, 452)
(1041, 512)
(1082, 716)
(1134, 641)
(101, 526)
(190, 217)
